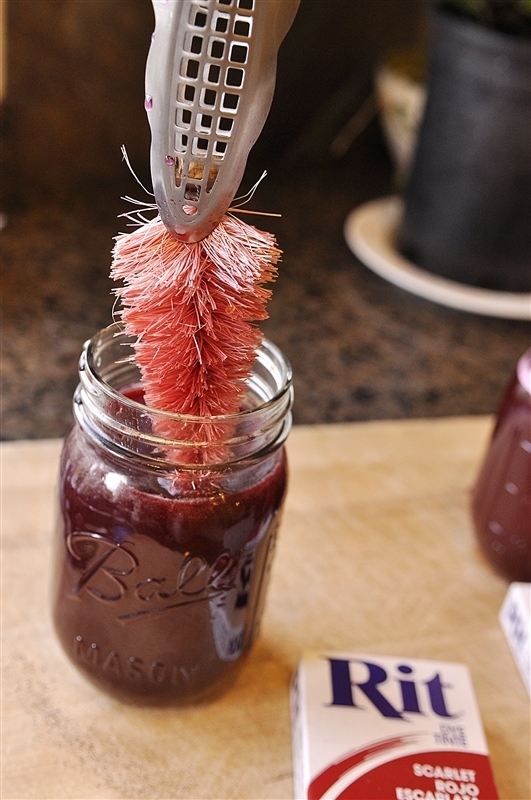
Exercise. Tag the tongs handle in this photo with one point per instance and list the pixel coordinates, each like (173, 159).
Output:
(210, 79)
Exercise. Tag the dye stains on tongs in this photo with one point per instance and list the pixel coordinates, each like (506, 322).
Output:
(210, 79)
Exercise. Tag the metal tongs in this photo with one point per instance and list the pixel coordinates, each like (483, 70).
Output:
(210, 79)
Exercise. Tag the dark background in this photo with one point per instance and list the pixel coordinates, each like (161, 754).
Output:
(361, 348)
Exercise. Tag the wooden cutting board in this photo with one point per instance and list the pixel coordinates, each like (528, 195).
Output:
(376, 555)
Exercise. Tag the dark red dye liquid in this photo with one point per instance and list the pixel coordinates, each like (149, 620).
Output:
(160, 581)
(501, 498)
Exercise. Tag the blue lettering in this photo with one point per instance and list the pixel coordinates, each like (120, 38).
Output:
(410, 700)
(345, 690)
(343, 687)
(435, 689)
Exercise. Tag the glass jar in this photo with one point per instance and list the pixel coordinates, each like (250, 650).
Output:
(166, 528)
(501, 507)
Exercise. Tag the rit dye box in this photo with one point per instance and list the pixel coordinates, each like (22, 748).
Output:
(381, 728)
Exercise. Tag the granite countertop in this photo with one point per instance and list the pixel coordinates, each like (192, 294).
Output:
(361, 348)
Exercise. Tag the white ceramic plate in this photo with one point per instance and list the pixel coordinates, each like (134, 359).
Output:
(370, 233)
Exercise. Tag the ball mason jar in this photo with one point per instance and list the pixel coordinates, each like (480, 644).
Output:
(166, 528)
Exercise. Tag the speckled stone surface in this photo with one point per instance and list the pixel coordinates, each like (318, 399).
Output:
(360, 348)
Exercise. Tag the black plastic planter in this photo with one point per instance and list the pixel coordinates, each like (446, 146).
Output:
(468, 203)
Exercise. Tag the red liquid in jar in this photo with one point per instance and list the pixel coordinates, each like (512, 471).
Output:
(501, 497)
(160, 580)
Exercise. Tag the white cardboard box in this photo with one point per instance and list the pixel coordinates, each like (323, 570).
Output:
(382, 728)
(515, 619)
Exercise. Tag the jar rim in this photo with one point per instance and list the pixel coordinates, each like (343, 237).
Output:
(116, 330)
(129, 426)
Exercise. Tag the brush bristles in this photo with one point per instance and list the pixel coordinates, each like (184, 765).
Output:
(192, 309)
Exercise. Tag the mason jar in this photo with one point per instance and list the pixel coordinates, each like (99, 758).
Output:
(501, 497)
(166, 528)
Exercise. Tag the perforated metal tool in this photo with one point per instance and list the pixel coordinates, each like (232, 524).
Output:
(210, 79)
